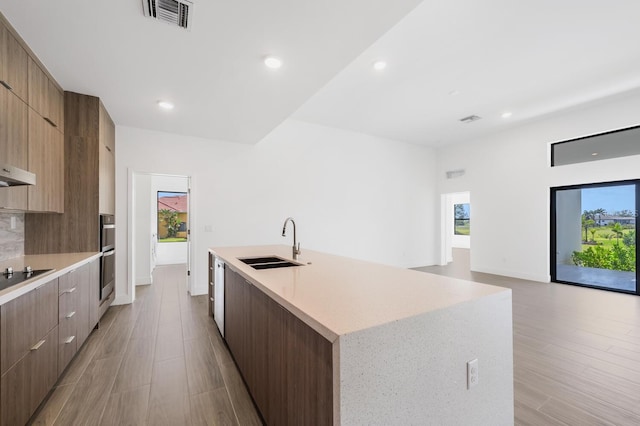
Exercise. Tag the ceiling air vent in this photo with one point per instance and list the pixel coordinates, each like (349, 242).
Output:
(174, 12)
(470, 119)
(452, 174)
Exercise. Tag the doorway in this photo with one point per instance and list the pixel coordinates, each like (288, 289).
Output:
(456, 229)
(593, 235)
(159, 225)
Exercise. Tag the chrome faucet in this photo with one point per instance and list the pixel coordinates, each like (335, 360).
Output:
(296, 244)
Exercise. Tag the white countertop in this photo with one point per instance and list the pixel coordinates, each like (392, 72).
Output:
(60, 263)
(337, 295)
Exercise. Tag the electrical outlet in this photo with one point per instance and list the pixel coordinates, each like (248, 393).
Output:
(13, 222)
(472, 373)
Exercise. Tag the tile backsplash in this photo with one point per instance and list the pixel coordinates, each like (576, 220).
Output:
(11, 240)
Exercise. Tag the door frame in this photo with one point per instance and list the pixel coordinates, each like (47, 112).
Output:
(131, 288)
(553, 230)
(447, 223)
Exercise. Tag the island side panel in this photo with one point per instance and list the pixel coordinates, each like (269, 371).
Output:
(413, 371)
(286, 365)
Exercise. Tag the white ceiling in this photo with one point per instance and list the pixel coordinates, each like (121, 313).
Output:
(528, 57)
(214, 73)
(531, 58)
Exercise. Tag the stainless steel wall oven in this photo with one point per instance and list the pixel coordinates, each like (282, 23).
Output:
(108, 249)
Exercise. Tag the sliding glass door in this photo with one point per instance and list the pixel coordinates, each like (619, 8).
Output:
(593, 235)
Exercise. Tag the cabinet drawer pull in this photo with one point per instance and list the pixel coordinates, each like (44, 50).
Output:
(71, 315)
(50, 121)
(69, 340)
(5, 84)
(71, 290)
(37, 345)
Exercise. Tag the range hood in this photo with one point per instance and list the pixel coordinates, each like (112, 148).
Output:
(13, 176)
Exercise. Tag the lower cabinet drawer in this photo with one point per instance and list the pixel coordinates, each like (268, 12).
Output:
(25, 385)
(68, 325)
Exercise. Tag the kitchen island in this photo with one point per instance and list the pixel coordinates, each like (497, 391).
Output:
(343, 341)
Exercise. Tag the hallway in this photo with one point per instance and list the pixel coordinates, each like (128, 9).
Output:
(158, 361)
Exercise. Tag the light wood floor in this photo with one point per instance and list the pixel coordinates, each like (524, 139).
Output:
(576, 350)
(159, 361)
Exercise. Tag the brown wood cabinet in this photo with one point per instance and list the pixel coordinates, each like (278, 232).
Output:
(107, 133)
(14, 129)
(31, 108)
(40, 333)
(28, 336)
(286, 365)
(44, 96)
(46, 160)
(27, 383)
(14, 115)
(212, 265)
(68, 302)
(88, 130)
(38, 88)
(55, 106)
(13, 63)
(25, 320)
(83, 275)
(75, 305)
(94, 293)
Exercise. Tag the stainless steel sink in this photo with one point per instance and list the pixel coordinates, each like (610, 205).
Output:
(267, 262)
(274, 265)
(254, 260)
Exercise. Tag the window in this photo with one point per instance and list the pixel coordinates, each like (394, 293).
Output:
(593, 235)
(461, 219)
(618, 143)
(172, 216)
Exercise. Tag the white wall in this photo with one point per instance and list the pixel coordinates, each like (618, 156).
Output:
(142, 236)
(168, 253)
(509, 177)
(351, 194)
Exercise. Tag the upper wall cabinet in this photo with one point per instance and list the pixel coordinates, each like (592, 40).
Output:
(38, 88)
(13, 145)
(13, 64)
(55, 106)
(89, 181)
(31, 126)
(107, 179)
(46, 160)
(45, 97)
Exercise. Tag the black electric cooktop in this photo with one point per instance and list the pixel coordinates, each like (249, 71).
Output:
(8, 280)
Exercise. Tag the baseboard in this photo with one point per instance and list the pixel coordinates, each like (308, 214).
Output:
(421, 264)
(144, 280)
(199, 290)
(542, 278)
(122, 300)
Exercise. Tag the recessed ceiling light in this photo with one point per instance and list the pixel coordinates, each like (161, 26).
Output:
(272, 62)
(594, 154)
(454, 93)
(165, 105)
(379, 65)
(507, 114)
